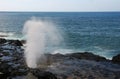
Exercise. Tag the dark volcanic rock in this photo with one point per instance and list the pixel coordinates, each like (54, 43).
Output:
(4, 68)
(40, 74)
(2, 41)
(3, 76)
(18, 43)
(15, 42)
(70, 66)
(23, 41)
(13, 68)
(87, 56)
(116, 59)
(11, 59)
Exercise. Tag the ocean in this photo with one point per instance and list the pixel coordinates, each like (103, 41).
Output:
(96, 32)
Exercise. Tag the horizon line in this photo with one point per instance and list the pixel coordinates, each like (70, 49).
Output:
(60, 11)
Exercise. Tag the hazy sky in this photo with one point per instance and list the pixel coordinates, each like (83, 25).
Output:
(60, 5)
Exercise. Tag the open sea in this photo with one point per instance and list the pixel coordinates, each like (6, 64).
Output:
(97, 32)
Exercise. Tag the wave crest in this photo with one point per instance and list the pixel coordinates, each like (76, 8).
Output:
(6, 34)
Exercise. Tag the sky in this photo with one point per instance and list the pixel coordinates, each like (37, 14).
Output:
(60, 5)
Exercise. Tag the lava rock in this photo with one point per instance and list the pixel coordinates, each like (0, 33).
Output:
(2, 40)
(4, 68)
(18, 43)
(23, 41)
(15, 42)
(116, 59)
(41, 74)
(87, 56)
(3, 76)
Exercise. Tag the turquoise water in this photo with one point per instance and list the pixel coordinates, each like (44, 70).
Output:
(83, 31)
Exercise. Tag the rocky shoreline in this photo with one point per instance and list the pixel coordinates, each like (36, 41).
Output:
(79, 65)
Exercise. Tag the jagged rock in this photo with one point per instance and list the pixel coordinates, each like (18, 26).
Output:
(30, 76)
(116, 59)
(41, 74)
(3, 76)
(69, 66)
(15, 42)
(87, 56)
(18, 43)
(11, 59)
(23, 41)
(4, 68)
(12, 69)
(2, 41)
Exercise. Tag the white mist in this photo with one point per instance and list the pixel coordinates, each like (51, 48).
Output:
(39, 34)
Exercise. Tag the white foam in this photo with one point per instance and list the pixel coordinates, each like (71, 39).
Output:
(6, 34)
(63, 51)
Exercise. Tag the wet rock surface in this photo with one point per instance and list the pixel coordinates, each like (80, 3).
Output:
(80, 65)
(87, 56)
(41, 74)
(11, 59)
(2, 40)
(116, 59)
(85, 69)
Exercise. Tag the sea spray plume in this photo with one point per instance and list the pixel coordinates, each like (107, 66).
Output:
(39, 34)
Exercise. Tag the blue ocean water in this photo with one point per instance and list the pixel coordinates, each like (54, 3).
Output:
(97, 32)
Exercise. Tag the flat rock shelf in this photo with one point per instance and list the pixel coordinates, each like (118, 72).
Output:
(76, 65)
